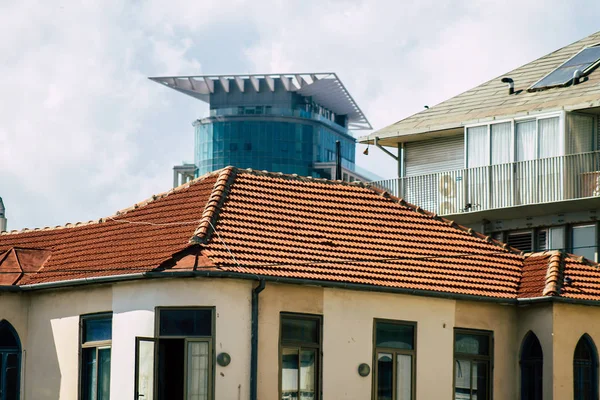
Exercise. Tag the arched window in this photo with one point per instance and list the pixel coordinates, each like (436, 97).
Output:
(585, 370)
(10, 362)
(532, 363)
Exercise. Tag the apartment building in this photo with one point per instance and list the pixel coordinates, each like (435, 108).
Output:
(516, 157)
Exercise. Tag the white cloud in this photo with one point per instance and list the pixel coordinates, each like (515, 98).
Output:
(84, 133)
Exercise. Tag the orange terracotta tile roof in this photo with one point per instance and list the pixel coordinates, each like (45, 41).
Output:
(275, 225)
(137, 240)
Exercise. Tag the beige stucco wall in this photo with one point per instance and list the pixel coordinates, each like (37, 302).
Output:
(133, 315)
(538, 318)
(51, 361)
(502, 320)
(48, 326)
(570, 323)
(52, 344)
(348, 341)
(274, 299)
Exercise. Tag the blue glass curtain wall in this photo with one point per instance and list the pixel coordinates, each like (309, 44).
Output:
(275, 146)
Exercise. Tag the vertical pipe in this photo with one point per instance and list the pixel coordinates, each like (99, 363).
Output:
(254, 341)
(338, 160)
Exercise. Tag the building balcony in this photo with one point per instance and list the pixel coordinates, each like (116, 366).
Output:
(517, 188)
(260, 111)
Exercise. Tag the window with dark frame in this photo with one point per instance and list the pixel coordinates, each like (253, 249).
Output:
(585, 370)
(473, 361)
(299, 357)
(178, 362)
(394, 360)
(584, 241)
(96, 339)
(532, 368)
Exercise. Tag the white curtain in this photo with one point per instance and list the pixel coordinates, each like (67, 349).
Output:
(197, 373)
(403, 377)
(502, 147)
(549, 139)
(526, 141)
(478, 149)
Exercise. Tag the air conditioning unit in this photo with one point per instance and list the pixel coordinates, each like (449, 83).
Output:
(447, 194)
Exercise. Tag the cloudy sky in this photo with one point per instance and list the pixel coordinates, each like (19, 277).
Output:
(84, 133)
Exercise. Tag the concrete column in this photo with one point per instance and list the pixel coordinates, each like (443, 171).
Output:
(175, 178)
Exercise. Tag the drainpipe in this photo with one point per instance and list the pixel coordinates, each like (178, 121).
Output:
(338, 160)
(254, 340)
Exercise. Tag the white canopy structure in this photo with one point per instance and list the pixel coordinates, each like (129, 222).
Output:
(325, 89)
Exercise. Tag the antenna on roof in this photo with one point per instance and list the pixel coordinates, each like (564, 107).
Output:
(2, 216)
(511, 85)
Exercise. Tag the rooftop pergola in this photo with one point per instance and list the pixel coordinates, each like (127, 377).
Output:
(325, 89)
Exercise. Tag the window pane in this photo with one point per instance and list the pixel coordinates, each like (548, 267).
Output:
(526, 140)
(394, 335)
(584, 241)
(289, 374)
(479, 384)
(299, 330)
(307, 374)
(580, 133)
(145, 370)
(462, 380)
(185, 322)
(97, 329)
(197, 371)
(385, 371)
(501, 143)
(103, 374)
(549, 139)
(403, 377)
(89, 374)
(12, 376)
(471, 344)
(557, 238)
(478, 149)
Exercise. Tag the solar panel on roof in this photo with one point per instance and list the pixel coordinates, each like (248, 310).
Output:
(583, 61)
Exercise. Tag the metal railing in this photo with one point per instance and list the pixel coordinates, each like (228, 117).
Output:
(545, 180)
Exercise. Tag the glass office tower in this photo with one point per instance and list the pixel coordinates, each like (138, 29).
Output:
(280, 123)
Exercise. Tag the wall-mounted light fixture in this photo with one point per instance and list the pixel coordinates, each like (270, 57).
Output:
(223, 359)
(364, 369)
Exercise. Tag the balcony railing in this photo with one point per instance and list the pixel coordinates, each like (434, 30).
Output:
(545, 180)
(278, 112)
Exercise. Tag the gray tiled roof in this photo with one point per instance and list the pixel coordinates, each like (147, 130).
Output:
(491, 99)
